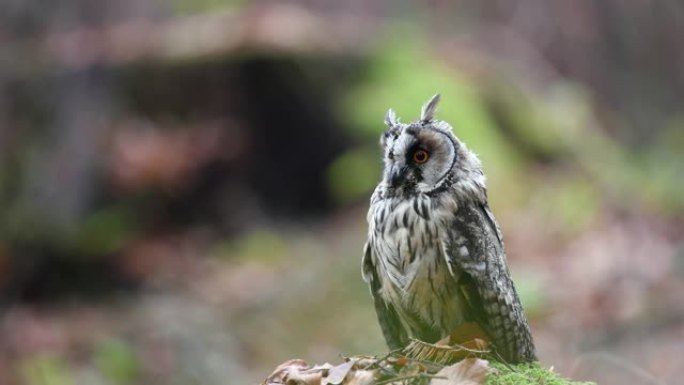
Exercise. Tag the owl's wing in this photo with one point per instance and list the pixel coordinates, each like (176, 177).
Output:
(392, 329)
(475, 247)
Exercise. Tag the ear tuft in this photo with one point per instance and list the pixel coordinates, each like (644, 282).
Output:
(427, 113)
(391, 118)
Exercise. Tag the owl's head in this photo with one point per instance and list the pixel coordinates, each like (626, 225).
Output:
(426, 157)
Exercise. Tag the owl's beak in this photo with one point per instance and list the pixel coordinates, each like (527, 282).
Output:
(396, 176)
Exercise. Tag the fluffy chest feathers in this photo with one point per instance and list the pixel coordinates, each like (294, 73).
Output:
(406, 241)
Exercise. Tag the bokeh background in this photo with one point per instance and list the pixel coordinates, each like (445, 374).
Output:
(183, 184)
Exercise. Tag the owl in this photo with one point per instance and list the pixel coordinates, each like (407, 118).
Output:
(435, 258)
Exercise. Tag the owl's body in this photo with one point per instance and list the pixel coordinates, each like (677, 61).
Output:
(434, 257)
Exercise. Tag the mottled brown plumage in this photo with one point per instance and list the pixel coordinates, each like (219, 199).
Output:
(435, 257)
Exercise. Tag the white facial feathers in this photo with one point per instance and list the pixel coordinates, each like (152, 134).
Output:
(448, 160)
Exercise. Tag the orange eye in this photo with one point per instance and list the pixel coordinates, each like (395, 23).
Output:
(421, 156)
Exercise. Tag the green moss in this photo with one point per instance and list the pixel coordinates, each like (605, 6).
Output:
(525, 374)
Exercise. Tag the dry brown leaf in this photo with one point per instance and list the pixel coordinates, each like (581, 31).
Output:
(336, 374)
(298, 372)
(326, 366)
(361, 377)
(280, 374)
(444, 341)
(363, 361)
(297, 377)
(467, 332)
(471, 371)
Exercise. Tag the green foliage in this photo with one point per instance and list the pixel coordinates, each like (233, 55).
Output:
(190, 7)
(569, 201)
(662, 171)
(104, 231)
(45, 369)
(259, 245)
(117, 361)
(399, 77)
(354, 174)
(531, 291)
(526, 374)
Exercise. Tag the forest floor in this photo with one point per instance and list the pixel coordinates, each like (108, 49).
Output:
(604, 305)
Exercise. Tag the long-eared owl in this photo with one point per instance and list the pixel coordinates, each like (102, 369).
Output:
(435, 257)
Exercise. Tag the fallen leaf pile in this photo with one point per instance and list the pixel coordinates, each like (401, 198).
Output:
(389, 369)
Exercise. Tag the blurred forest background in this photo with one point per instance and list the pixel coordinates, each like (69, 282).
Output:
(183, 184)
